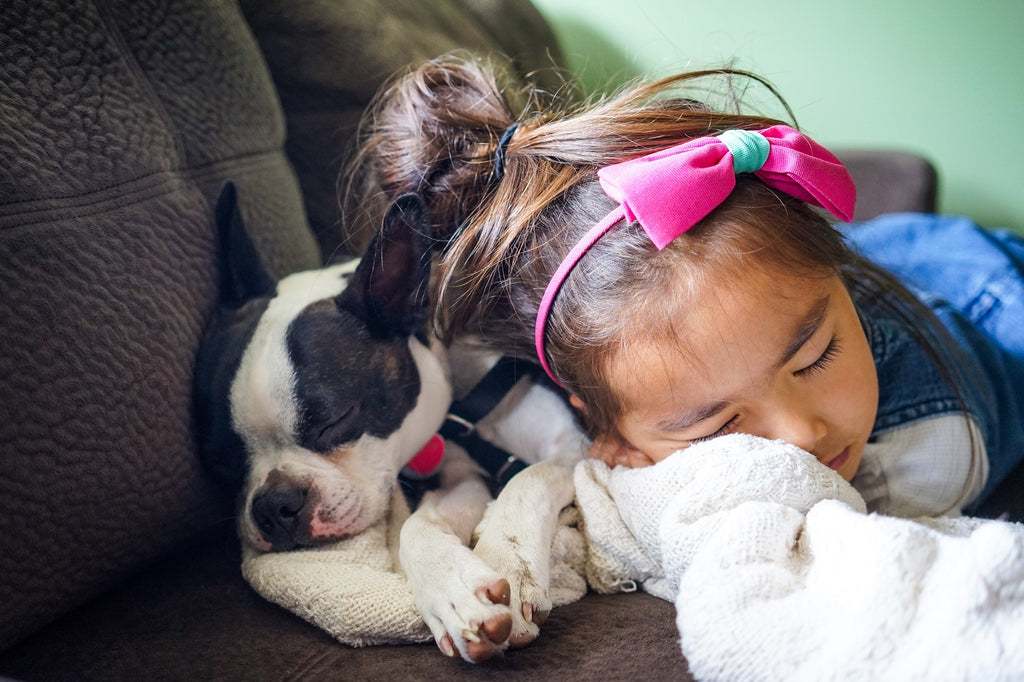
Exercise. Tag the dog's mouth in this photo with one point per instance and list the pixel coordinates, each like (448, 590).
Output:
(287, 544)
(289, 516)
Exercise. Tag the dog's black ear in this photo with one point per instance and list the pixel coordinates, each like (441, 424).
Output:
(389, 289)
(242, 274)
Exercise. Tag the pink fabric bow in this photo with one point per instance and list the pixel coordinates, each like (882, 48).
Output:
(671, 190)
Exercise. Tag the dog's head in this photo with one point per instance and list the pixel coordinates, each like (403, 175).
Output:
(313, 392)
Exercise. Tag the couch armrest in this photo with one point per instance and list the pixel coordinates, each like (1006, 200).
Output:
(890, 182)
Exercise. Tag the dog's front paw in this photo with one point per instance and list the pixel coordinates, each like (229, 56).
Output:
(528, 578)
(466, 607)
(480, 641)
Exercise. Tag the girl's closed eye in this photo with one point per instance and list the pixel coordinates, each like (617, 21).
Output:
(727, 427)
(824, 360)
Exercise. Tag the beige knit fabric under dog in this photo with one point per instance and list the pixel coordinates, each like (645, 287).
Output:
(352, 588)
(355, 590)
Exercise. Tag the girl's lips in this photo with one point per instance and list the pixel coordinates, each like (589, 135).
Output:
(839, 460)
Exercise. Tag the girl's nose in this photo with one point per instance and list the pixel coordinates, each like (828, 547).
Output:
(799, 423)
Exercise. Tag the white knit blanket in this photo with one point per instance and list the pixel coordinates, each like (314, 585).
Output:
(777, 572)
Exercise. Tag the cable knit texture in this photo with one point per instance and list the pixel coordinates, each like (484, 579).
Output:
(777, 572)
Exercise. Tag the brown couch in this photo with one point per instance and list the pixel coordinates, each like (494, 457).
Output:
(119, 120)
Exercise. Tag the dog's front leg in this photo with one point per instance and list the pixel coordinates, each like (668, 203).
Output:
(515, 539)
(461, 598)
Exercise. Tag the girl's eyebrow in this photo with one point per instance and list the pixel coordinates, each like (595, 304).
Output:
(807, 327)
(695, 416)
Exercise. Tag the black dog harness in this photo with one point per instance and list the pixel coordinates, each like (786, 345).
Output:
(459, 427)
(463, 416)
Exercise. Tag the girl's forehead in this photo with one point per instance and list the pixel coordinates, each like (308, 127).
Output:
(698, 302)
(702, 332)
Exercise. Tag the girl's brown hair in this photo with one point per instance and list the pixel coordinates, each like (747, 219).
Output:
(435, 131)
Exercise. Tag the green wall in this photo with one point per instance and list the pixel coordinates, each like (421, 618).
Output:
(941, 78)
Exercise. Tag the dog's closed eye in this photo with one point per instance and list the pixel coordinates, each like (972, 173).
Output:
(345, 428)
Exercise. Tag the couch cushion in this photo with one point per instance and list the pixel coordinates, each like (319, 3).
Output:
(192, 617)
(328, 60)
(119, 121)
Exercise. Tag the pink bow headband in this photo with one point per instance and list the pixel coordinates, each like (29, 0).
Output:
(671, 190)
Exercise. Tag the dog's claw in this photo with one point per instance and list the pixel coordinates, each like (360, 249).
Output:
(535, 617)
(485, 642)
(447, 646)
(521, 639)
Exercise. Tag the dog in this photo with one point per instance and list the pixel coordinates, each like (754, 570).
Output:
(314, 392)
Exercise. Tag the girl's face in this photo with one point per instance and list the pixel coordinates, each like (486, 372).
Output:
(774, 355)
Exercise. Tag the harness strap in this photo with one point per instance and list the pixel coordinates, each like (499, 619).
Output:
(463, 415)
(490, 390)
(497, 462)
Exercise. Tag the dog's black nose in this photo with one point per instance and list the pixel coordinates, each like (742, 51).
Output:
(277, 512)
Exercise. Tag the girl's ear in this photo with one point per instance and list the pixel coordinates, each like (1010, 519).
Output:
(575, 401)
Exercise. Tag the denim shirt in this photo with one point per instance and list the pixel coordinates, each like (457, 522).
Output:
(973, 280)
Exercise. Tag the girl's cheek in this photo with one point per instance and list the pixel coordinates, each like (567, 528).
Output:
(614, 452)
(638, 459)
(607, 449)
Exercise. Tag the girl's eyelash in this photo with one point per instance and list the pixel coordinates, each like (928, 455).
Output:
(726, 428)
(823, 360)
(819, 365)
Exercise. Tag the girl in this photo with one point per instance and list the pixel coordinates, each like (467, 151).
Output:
(669, 265)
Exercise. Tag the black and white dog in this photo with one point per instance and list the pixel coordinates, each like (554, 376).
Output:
(313, 393)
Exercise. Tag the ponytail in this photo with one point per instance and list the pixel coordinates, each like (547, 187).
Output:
(433, 130)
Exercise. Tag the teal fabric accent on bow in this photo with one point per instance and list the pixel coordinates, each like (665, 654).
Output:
(749, 149)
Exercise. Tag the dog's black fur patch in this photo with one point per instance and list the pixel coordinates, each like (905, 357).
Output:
(217, 363)
(363, 335)
(380, 387)
(244, 291)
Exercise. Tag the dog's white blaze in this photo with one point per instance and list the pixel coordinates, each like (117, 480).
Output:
(432, 404)
(262, 394)
(261, 391)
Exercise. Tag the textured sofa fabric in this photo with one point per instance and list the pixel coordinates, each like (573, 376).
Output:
(193, 618)
(119, 121)
(328, 58)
